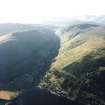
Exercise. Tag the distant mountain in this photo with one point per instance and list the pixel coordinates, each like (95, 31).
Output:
(87, 19)
(16, 27)
(95, 19)
(8, 27)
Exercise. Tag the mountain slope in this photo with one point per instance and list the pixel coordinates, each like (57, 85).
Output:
(25, 57)
(79, 64)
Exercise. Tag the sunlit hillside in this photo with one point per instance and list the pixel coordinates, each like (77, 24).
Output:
(82, 54)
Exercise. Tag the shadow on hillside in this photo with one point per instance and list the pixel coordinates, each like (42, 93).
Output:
(38, 96)
(25, 58)
(89, 80)
(80, 70)
(88, 64)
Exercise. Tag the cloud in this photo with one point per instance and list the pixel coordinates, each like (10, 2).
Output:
(31, 11)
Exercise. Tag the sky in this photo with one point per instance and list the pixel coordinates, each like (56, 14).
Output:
(37, 11)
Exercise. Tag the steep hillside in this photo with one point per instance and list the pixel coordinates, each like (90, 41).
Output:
(79, 70)
(25, 57)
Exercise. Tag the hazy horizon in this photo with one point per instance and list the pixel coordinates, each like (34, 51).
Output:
(42, 11)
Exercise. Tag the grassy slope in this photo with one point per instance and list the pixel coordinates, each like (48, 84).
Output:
(79, 55)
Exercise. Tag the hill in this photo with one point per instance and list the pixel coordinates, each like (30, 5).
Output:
(24, 59)
(79, 70)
